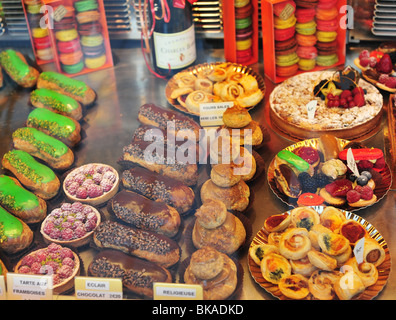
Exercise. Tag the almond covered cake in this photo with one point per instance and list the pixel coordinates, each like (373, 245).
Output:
(347, 106)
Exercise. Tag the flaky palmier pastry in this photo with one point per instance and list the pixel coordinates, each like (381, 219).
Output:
(348, 286)
(249, 82)
(274, 238)
(366, 271)
(231, 91)
(226, 236)
(277, 222)
(294, 243)
(304, 217)
(302, 266)
(185, 79)
(373, 252)
(250, 99)
(333, 243)
(258, 251)
(219, 273)
(322, 261)
(274, 267)
(195, 98)
(178, 92)
(204, 85)
(332, 218)
(352, 230)
(294, 286)
(321, 284)
(217, 74)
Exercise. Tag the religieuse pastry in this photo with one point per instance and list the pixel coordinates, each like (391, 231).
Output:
(215, 271)
(218, 228)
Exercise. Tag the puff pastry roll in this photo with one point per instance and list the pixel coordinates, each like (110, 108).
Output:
(373, 252)
(274, 267)
(231, 91)
(185, 79)
(204, 85)
(348, 286)
(366, 271)
(353, 231)
(217, 74)
(302, 266)
(321, 284)
(294, 243)
(322, 261)
(294, 286)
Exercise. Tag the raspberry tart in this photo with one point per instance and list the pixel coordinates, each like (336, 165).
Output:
(71, 225)
(347, 107)
(60, 262)
(378, 68)
(93, 183)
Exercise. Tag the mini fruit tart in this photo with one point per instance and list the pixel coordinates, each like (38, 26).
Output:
(71, 225)
(93, 183)
(60, 262)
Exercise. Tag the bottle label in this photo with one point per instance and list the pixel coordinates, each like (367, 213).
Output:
(176, 49)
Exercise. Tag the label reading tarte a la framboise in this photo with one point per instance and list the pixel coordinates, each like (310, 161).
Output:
(29, 287)
(3, 295)
(91, 288)
(177, 291)
(211, 114)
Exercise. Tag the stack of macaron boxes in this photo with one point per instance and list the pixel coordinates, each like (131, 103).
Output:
(79, 36)
(41, 41)
(301, 36)
(240, 20)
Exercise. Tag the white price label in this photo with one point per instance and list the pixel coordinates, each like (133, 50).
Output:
(211, 114)
(351, 163)
(358, 250)
(311, 109)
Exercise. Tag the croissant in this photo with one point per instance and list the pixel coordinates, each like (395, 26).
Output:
(294, 243)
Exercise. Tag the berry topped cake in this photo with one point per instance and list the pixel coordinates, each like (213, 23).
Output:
(346, 106)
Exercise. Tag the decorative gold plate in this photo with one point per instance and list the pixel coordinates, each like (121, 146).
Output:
(369, 293)
(238, 68)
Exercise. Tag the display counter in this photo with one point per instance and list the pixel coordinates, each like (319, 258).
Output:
(109, 124)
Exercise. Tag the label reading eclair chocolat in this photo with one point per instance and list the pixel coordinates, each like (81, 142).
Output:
(91, 288)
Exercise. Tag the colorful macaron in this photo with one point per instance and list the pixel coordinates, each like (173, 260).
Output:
(306, 40)
(304, 15)
(327, 25)
(66, 35)
(307, 28)
(326, 14)
(286, 60)
(244, 30)
(284, 34)
(285, 23)
(326, 36)
(307, 52)
(287, 71)
(95, 62)
(327, 60)
(306, 64)
(284, 9)
(306, 3)
(69, 46)
(326, 48)
(286, 47)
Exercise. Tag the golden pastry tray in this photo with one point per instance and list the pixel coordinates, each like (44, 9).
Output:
(369, 293)
(237, 68)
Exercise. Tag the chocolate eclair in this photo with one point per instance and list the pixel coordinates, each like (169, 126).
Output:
(137, 275)
(287, 181)
(144, 213)
(156, 186)
(143, 244)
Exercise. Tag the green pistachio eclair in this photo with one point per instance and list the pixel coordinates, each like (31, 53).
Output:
(34, 175)
(20, 202)
(56, 102)
(15, 235)
(54, 152)
(76, 89)
(56, 125)
(17, 68)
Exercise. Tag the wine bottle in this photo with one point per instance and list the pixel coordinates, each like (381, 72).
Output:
(173, 40)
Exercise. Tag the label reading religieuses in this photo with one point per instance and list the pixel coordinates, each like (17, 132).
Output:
(29, 287)
(90, 288)
(177, 291)
(211, 114)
